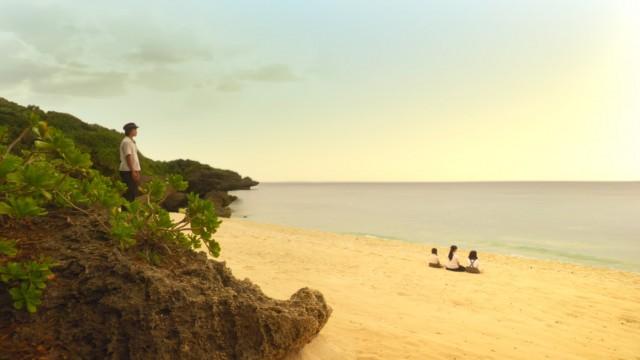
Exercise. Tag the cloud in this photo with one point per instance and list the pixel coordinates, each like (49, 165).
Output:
(59, 48)
(174, 52)
(274, 73)
(82, 83)
(23, 64)
(16, 65)
(61, 80)
(49, 52)
(269, 73)
(163, 79)
(49, 28)
(229, 85)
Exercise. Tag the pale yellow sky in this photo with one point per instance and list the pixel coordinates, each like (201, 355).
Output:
(346, 91)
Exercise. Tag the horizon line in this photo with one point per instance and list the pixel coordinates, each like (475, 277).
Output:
(439, 181)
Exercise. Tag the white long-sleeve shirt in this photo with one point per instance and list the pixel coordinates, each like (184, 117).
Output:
(474, 264)
(453, 263)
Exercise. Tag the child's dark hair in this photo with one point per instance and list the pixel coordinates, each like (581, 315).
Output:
(473, 255)
(451, 251)
(434, 251)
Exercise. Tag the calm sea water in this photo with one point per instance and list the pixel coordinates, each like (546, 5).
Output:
(589, 223)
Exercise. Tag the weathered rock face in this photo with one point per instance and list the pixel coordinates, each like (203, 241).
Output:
(109, 304)
(203, 178)
(175, 201)
(221, 200)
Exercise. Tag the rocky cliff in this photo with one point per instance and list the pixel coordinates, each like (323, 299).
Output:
(105, 303)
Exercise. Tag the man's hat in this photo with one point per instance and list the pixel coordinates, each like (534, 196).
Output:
(129, 126)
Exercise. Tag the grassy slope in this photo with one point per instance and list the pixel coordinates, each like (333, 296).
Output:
(102, 144)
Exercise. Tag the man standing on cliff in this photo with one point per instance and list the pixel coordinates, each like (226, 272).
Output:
(129, 163)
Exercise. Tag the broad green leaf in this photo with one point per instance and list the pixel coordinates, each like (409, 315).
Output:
(9, 164)
(21, 207)
(8, 248)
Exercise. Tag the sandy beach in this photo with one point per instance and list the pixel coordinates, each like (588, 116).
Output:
(387, 304)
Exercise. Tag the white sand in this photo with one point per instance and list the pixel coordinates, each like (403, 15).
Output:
(387, 304)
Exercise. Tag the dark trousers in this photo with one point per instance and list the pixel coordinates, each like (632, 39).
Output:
(132, 186)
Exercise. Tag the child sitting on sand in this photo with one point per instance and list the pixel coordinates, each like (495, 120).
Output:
(454, 264)
(474, 263)
(434, 261)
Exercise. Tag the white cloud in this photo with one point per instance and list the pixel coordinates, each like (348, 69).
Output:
(59, 48)
(274, 73)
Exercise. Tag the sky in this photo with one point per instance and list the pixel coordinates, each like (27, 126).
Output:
(345, 90)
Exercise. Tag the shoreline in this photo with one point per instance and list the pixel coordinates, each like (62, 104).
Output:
(520, 256)
(388, 304)
(441, 247)
(442, 250)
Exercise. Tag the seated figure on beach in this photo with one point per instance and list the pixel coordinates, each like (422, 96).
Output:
(454, 263)
(474, 263)
(434, 261)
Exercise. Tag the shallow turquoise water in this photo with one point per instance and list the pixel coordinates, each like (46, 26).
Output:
(589, 223)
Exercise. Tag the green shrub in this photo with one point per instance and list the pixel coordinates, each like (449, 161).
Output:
(26, 280)
(50, 173)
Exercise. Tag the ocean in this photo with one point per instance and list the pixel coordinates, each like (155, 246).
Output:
(593, 223)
